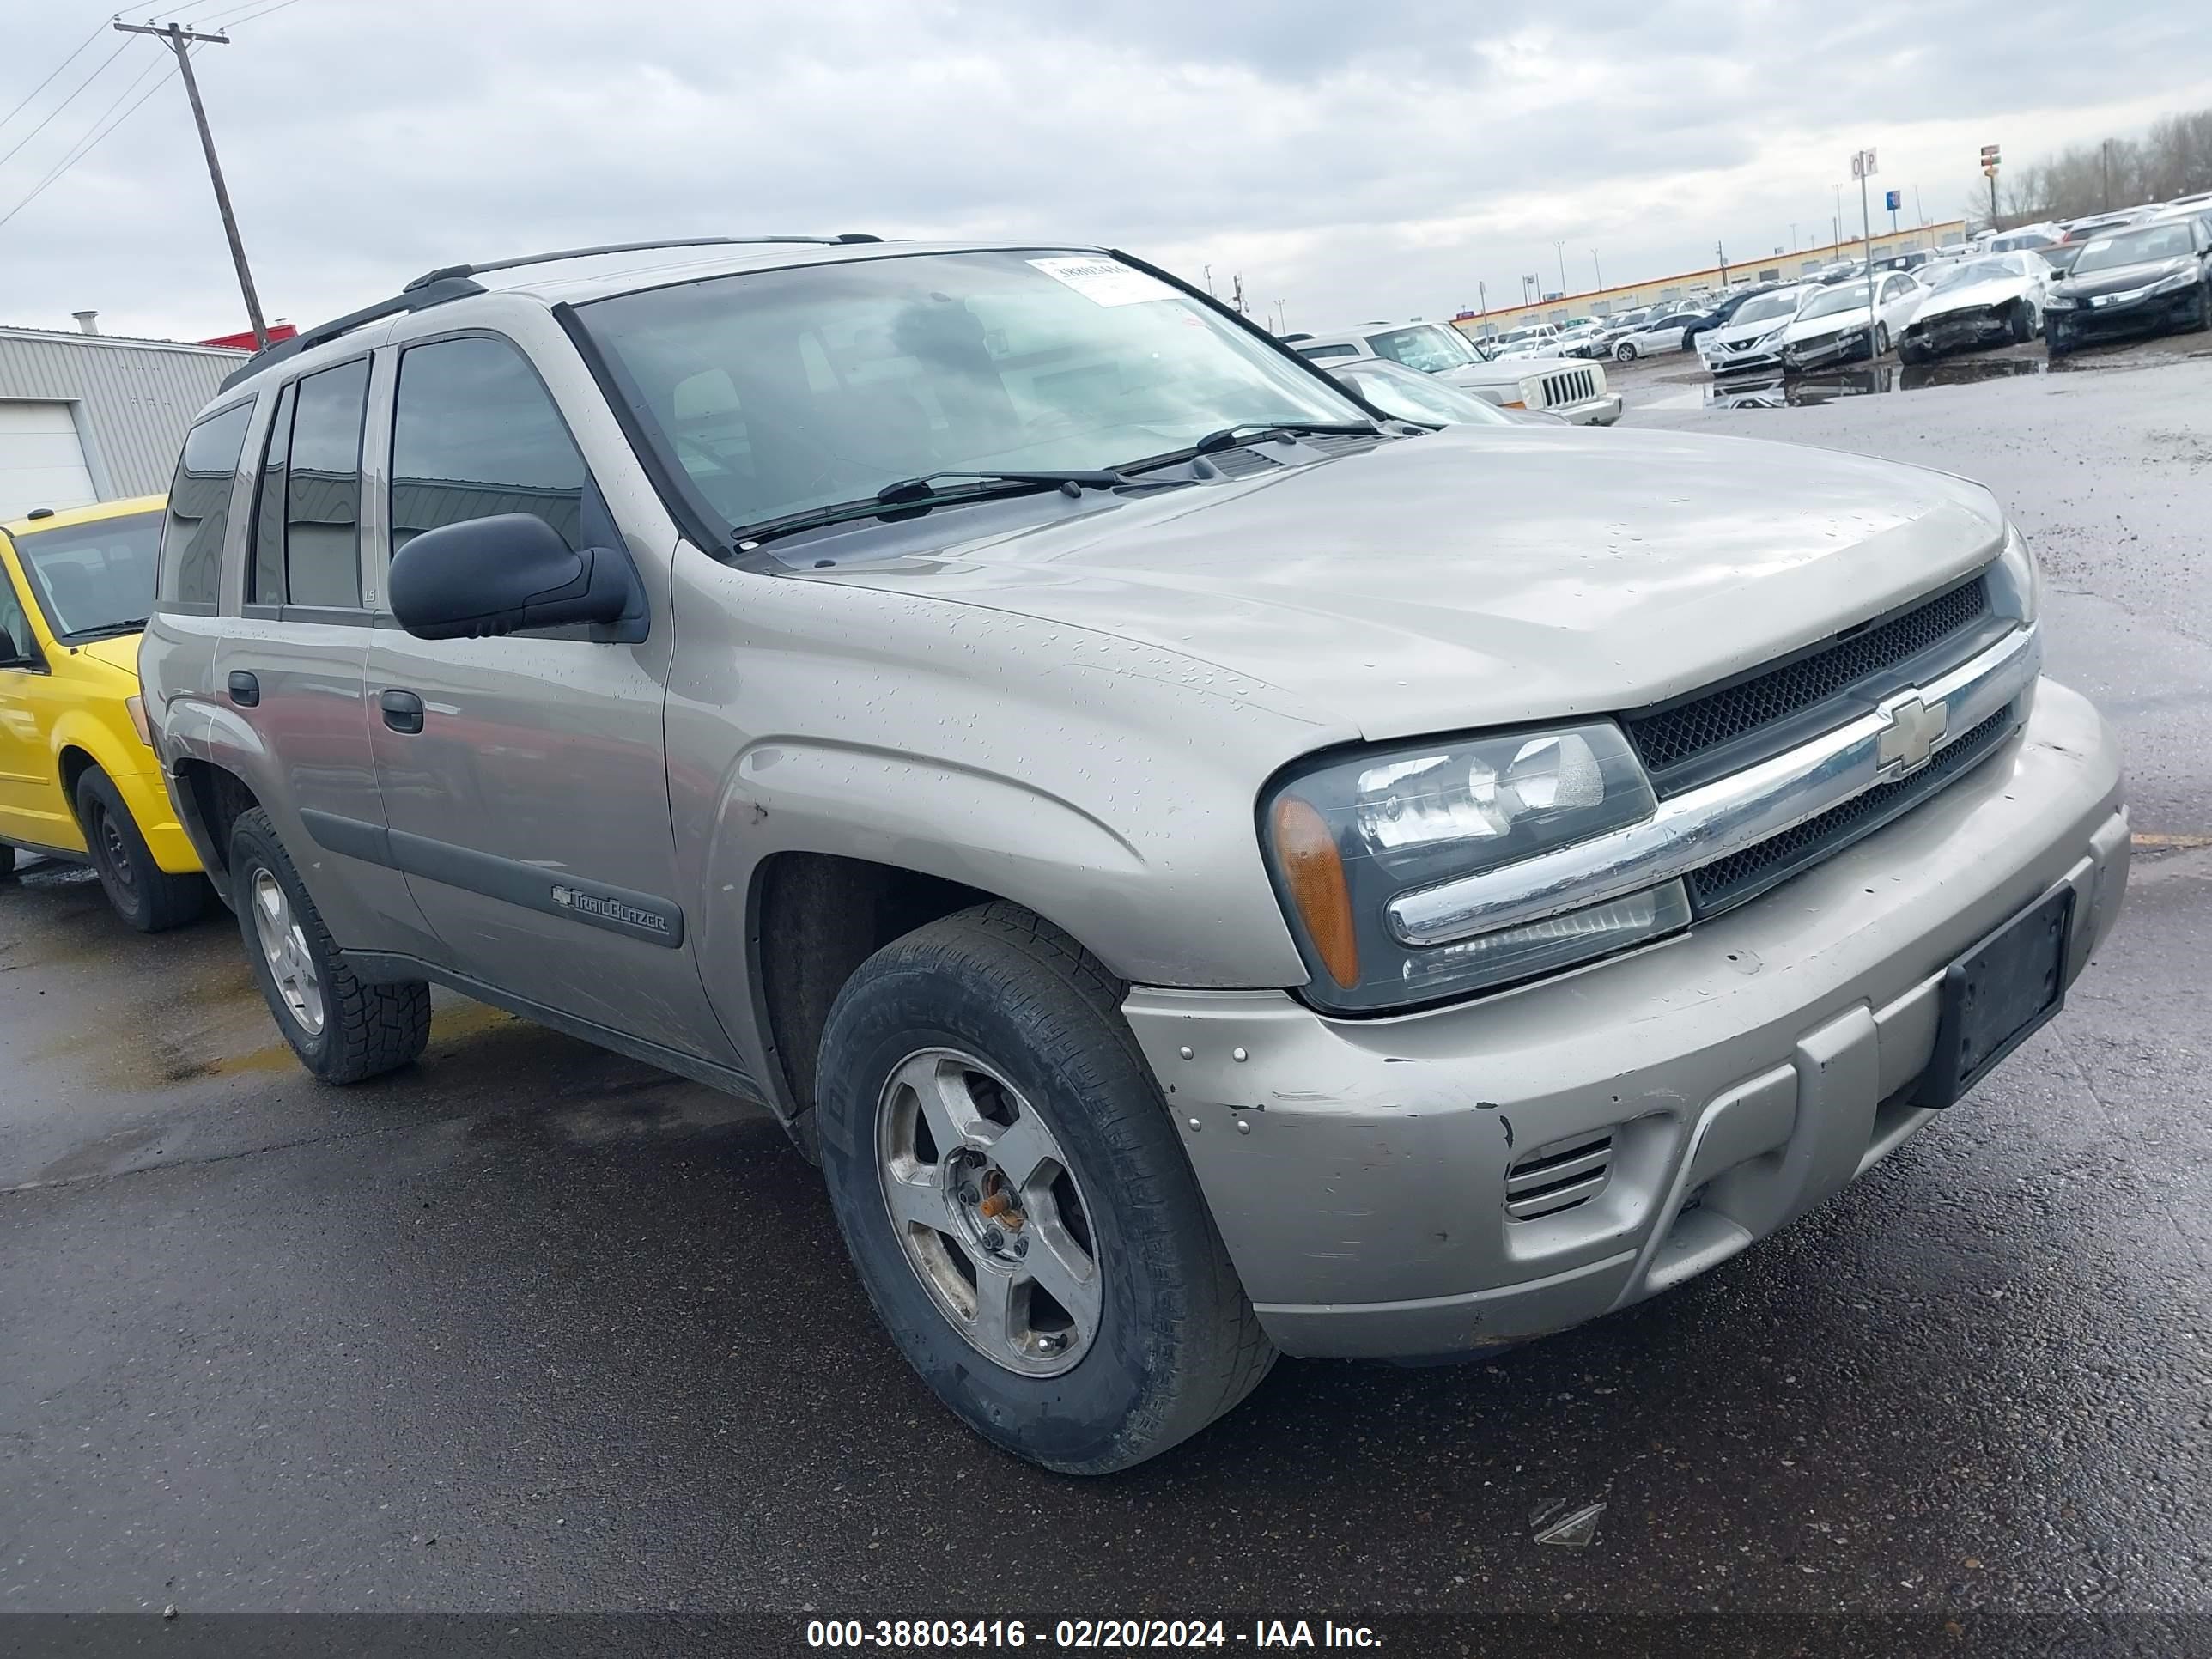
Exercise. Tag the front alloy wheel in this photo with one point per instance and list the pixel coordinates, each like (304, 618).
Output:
(988, 1212)
(1624, 353)
(1011, 1187)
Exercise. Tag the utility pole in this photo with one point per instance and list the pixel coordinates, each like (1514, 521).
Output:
(1560, 248)
(1237, 295)
(179, 39)
(1863, 170)
(1837, 223)
(1721, 253)
(1208, 270)
(1597, 269)
(2105, 149)
(1793, 235)
(1992, 158)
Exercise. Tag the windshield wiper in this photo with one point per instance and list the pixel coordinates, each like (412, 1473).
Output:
(909, 493)
(107, 630)
(1229, 436)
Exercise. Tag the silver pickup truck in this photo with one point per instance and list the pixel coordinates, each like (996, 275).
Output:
(1198, 887)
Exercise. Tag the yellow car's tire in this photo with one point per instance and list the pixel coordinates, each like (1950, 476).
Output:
(143, 893)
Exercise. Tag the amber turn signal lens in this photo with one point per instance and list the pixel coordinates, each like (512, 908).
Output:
(1313, 871)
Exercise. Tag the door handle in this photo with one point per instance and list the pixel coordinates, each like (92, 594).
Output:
(403, 711)
(245, 689)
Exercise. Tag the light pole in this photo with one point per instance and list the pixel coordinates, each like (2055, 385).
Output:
(1793, 235)
(1596, 270)
(1560, 248)
(1836, 224)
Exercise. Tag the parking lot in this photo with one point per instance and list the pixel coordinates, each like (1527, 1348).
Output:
(530, 1327)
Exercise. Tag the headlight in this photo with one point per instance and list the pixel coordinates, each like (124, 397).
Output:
(1769, 339)
(2175, 283)
(2060, 302)
(2017, 577)
(1346, 836)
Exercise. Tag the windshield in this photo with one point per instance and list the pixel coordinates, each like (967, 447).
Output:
(1849, 296)
(779, 391)
(1431, 347)
(1412, 396)
(2136, 246)
(93, 577)
(1765, 307)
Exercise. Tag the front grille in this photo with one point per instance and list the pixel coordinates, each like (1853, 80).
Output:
(1686, 742)
(1559, 1177)
(1578, 385)
(1741, 876)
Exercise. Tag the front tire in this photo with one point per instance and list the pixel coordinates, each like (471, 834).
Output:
(343, 1029)
(7, 861)
(2023, 324)
(1624, 353)
(143, 893)
(1011, 1187)
(1882, 339)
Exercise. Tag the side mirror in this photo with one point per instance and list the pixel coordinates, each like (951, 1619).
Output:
(494, 576)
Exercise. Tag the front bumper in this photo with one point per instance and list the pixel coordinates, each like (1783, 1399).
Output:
(1593, 411)
(2154, 314)
(1745, 1072)
(1728, 362)
(1818, 354)
(1961, 330)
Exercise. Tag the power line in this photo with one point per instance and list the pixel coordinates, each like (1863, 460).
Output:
(85, 145)
(99, 29)
(263, 12)
(65, 102)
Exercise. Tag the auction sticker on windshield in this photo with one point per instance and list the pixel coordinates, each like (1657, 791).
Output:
(1105, 282)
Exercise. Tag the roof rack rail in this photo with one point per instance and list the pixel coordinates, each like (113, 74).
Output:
(435, 288)
(414, 298)
(446, 271)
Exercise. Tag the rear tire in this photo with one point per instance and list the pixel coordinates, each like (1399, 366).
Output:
(1881, 339)
(2023, 324)
(143, 893)
(990, 1019)
(2056, 346)
(343, 1029)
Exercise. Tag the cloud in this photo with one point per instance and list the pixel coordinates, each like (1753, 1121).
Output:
(1350, 161)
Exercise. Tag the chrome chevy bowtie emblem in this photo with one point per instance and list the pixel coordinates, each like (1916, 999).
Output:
(1910, 730)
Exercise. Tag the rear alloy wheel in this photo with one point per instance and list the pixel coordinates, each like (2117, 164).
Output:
(1017, 1202)
(1881, 339)
(143, 893)
(1624, 353)
(343, 1029)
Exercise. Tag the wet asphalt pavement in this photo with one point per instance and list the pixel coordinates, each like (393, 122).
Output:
(530, 1328)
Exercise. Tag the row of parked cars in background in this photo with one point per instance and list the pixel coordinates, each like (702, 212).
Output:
(2148, 270)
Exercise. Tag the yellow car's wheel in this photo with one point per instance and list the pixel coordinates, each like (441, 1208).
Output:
(143, 893)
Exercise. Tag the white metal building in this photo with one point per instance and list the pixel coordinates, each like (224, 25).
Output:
(92, 418)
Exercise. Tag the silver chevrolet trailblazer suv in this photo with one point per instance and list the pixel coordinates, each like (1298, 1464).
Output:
(1207, 869)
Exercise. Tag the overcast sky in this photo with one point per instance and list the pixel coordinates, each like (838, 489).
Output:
(1352, 160)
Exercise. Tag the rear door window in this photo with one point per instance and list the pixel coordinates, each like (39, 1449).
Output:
(199, 509)
(322, 489)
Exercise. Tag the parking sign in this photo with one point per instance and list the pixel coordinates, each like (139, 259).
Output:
(1894, 200)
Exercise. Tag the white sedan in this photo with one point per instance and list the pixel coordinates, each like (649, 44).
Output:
(1753, 337)
(1660, 334)
(1996, 299)
(1832, 326)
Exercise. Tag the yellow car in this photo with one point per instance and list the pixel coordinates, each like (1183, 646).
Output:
(78, 776)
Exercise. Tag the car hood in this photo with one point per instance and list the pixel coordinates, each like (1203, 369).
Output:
(2122, 277)
(1816, 328)
(1478, 575)
(1974, 296)
(1502, 371)
(121, 652)
(1728, 333)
